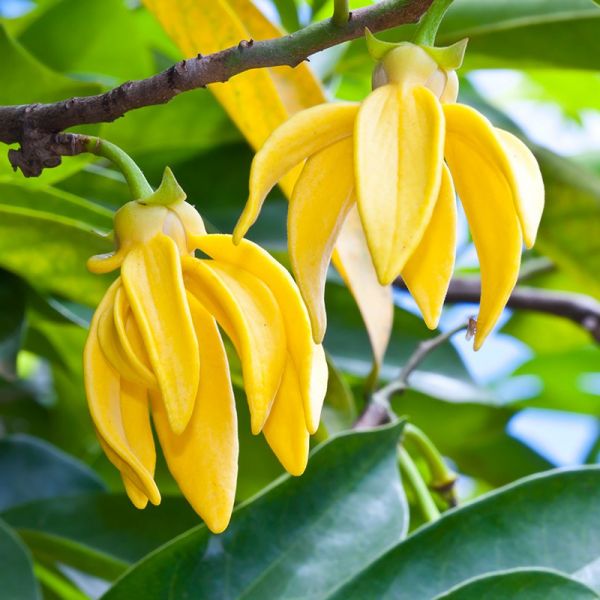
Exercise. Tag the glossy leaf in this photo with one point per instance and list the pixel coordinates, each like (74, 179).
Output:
(521, 584)
(16, 575)
(300, 538)
(517, 526)
(31, 469)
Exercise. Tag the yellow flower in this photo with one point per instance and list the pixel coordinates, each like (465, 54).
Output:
(155, 346)
(398, 156)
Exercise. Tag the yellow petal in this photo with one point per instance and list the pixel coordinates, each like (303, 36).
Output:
(285, 429)
(153, 281)
(261, 264)
(129, 338)
(136, 424)
(300, 136)
(353, 262)
(399, 139)
(298, 87)
(137, 497)
(248, 312)
(318, 384)
(207, 26)
(428, 271)
(472, 153)
(321, 200)
(203, 459)
(103, 391)
(112, 348)
(528, 185)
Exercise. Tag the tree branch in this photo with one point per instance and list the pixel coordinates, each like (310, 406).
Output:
(377, 411)
(579, 308)
(34, 126)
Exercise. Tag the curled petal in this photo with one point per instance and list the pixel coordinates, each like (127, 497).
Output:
(203, 459)
(105, 263)
(259, 263)
(322, 197)
(285, 429)
(300, 136)
(129, 338)
(103, 391)
(528, 185)
(428, 271)
(375, 303)
(248, 312)
(153, 281)
(472, 153)
(399, 150)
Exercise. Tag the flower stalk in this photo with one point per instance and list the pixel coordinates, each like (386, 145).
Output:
(413, 476)
(430, 23)
(341, 12)
(442, 477)
(136, 180)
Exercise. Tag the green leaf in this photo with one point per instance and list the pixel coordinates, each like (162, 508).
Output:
(50, 252)
(105, 523)
(299, 539)
(12, 322)
(16, 575)
(94, 35)
(31, 469)
(25, 80)
(525, 33)
(521, 584)
(544, 521)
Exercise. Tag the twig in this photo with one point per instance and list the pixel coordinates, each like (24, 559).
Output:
(34, 126)
(581, 309)
(377, 411)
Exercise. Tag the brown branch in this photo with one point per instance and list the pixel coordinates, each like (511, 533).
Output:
(377, 411)
(34, 126)
(579, 308)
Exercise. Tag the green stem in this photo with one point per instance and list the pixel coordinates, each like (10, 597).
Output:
(429, 24)
(442, 476)
(137, 182)
(411, 472)
(341, 12)
(59, 586)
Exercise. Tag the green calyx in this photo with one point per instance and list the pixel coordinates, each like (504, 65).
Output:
(448, 58)
(168, 192)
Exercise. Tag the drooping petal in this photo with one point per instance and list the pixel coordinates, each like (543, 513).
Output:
(203, 459)
(112, 349)
(375, 303)
(322, 197)
(129, 337)
(136, 424)
(103, 391)
(318, 384)
(528, 184)
(285, 429)
(135, 494)
(486, 195)
(256, 261)
(300, 136)
(153, 281)
(399, 145)
(428, 271)
(248, 312)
